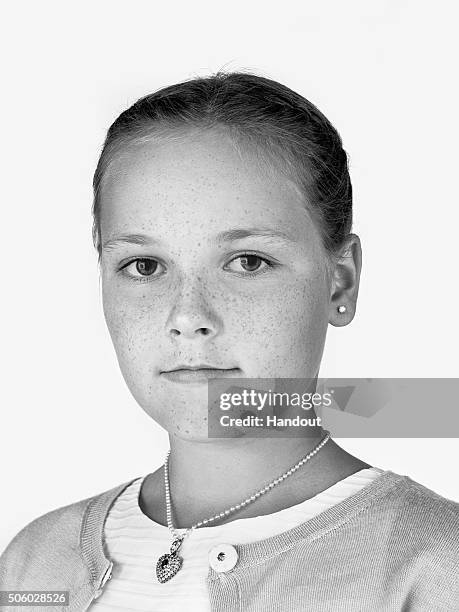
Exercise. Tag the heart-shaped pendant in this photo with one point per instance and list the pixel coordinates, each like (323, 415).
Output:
(168, 565)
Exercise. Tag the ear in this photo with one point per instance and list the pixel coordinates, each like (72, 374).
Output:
(345, 282)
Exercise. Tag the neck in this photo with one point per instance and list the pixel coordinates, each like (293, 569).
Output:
(209, 477)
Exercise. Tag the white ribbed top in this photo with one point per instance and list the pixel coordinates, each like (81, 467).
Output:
(134, 543)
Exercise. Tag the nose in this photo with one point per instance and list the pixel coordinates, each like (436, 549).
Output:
(192, 315)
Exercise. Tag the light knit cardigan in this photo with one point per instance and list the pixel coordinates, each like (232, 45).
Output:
(392, 547)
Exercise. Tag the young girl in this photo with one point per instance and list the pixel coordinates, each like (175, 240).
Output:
(222, 219)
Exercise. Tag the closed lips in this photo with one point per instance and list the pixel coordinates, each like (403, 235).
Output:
(199, 367)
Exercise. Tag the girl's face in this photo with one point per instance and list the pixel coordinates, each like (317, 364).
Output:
(184, 294)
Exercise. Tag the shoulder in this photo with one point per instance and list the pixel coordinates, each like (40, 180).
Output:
(64, 521)
(414, 512)
(53, 535)
(423, 541)
(423, 507)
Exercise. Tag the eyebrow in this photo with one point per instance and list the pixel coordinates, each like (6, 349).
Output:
(230, 235)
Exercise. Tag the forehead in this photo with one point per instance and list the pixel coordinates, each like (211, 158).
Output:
(198, 183)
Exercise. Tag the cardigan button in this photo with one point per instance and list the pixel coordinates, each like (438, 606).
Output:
(223, 557)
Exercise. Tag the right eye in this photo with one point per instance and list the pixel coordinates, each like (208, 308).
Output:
(144, 266)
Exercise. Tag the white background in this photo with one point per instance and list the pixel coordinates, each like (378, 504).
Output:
(385, 74)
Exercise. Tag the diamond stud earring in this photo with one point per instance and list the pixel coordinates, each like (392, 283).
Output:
(342, 309)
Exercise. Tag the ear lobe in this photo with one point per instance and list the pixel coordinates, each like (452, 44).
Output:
(345, 283)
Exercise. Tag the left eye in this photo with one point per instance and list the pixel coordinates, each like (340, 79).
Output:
(251, 262)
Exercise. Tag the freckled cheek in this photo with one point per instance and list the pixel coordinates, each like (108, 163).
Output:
(296, 323)
(310, 318)
(130, 320)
